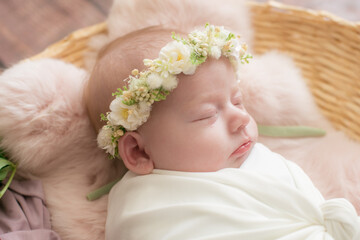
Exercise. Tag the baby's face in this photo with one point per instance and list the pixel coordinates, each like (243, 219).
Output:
(202, 125)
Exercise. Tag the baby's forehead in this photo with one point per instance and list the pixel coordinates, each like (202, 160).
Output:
(213, 81)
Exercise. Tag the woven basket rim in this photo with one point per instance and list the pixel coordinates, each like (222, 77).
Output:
(102, 26)
(71, 49)
(323, 14)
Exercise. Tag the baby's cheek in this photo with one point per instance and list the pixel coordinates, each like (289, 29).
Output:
(252, 130)
(200, 141)
(212, 147)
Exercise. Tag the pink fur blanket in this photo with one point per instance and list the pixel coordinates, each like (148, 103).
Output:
(45, 129)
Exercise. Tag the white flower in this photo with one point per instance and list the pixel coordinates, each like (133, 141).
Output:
(148, 62)
(215, 52)
(170, 82)
(138, 116)
(104, 140)
(154, 80)
(176, 58)
(135, 82)
(199, 36)
(143, 108)
(110, 149)
(130, 117)
(119, 114)
(190, 70)
(223, 34)
(104, 137)
(236, 48)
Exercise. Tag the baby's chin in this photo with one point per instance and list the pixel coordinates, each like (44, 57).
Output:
(238, 161)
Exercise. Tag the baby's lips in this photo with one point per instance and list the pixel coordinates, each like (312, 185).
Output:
(243, 148)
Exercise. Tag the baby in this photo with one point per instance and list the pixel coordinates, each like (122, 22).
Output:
(195, 169)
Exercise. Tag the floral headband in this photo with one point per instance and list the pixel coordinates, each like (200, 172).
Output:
(132, 105)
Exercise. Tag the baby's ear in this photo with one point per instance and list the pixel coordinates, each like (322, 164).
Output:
(131, 150)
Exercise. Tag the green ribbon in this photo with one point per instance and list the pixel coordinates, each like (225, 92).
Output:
(269, 131)
(98, 193)
(290, 131)
(6, 168)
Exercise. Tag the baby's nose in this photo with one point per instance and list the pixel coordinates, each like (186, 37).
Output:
(239, 118)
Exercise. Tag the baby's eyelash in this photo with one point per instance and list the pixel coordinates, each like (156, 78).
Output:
(206, 117)
(238, 101)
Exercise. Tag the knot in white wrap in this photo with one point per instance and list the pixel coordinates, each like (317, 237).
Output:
(340, 219)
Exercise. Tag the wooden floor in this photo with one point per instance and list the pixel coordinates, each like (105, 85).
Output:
(29, 26)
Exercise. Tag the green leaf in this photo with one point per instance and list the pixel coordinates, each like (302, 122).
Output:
(4, 172)
(4, 163)
(197, 59)
(130, 102)
(2, 153)
(103, 117)
(230, 36)
(173, 36)
(5, 168)
(98, 193)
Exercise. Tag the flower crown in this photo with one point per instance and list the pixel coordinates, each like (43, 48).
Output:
(132, 105)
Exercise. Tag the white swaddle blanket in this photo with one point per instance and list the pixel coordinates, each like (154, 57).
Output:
(273, 201)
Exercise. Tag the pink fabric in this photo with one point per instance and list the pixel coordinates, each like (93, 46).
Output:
(23, 213)
(45, 129)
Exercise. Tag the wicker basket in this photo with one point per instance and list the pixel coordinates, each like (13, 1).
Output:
(325, 47)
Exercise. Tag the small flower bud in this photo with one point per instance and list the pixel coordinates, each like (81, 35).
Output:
(244, 46)
(241, 53)
(135, 72)
(119, 133)
(227, 46)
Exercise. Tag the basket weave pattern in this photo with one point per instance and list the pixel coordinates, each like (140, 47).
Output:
(326, 48)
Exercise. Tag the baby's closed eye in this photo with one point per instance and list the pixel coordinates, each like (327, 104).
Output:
(204, 115)
(237, 100)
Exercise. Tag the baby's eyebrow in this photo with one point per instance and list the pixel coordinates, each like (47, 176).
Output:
(213, 97)
(194, 103)
(208, 98)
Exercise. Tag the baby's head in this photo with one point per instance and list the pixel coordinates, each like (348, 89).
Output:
(202, 125)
